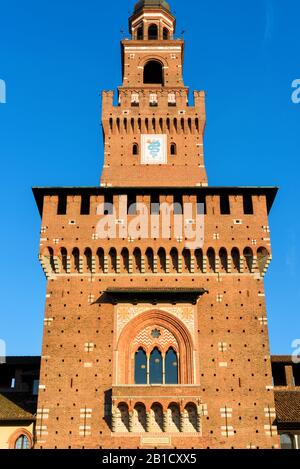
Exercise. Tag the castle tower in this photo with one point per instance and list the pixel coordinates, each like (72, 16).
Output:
(156, 331)
(153, 109)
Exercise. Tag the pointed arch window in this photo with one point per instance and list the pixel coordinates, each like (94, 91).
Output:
(156, 367)
(140, 368)
(171, 367)
(22, 442)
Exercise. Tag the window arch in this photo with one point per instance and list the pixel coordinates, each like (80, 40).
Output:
(153, 73)
(173, 149)
(156, 367)
(23, 442)
(140, 367)
(286, 441)
(135, 149)
(171, 367)
(153, 32)
(140, 33)
(138, 334)
(166, 34)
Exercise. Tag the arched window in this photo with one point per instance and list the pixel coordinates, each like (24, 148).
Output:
(235, 254)
(173, 149)
(156, 368)
(171, 367)
(248, 256)
(135, 149)
(22, 442)
(262, 258)
(211, 258)
(166, 34)
(153, 73)
(152, 32)
(140, 33)
(223, 259)
(286, 441)
(140, 367)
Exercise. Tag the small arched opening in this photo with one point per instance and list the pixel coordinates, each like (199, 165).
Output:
(153, 73)
(166, 34)
(153, 32)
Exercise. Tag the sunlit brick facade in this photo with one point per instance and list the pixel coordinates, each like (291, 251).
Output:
(149, 342)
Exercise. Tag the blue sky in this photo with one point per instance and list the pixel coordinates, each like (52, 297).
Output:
(57, 55)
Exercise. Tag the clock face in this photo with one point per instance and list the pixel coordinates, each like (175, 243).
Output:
(154, 149)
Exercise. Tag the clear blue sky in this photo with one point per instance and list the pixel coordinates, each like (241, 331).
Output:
(57, 55)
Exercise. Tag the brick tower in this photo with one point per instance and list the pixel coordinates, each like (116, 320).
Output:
(150, 339)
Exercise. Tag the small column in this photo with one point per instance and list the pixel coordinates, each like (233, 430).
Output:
(289, 376)
(163, 357)
(148, 369)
